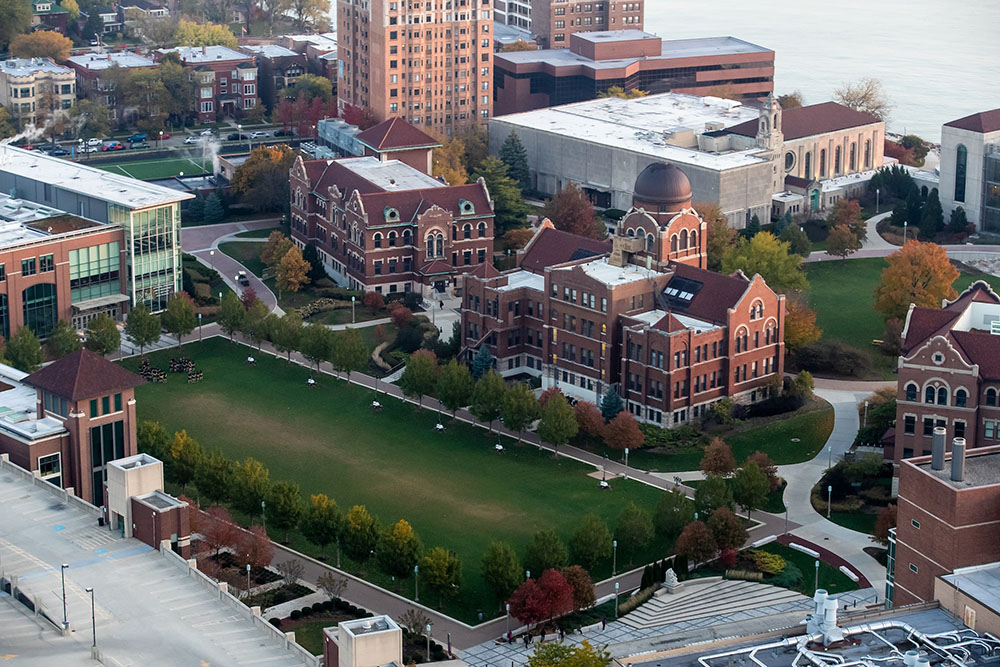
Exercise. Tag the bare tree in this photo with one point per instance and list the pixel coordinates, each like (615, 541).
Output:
(291, 571)
(866, 94)
(331, 584)
(414, 620)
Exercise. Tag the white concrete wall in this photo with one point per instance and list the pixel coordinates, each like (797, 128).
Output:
(975, 143)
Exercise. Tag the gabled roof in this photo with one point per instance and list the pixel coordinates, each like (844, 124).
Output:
(552, 246)
(982, 122)
(411, 203)
(812, 120)
(81, 375)
(395, 134)
(717, 294)
(436, 267)
(669, 323)
(981, 348)
(486, 270)
(924, 323)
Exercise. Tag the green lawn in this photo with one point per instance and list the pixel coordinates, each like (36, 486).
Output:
(830, 578)
(453, 487)
(153, 169)
(257, 233)
(843, 294)
(247, 254)
(343, 315)
(859, 521)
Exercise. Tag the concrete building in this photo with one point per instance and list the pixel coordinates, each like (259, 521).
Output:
(147, 218)
(367, 642)
(948, 374)
(283, 65)
(644, 316)
(554, 22)
(225, 80)
(948, 515)
(972, 594)
(136, 506)
(31, 88)
(631, 60)
(383, 225)
(970, 168)
(431, 64)
(91, 67)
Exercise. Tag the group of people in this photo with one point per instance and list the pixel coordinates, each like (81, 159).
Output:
(529, 638)
(151, 373)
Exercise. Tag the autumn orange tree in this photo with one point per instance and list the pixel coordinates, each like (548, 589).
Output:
(718, 459)
(293, 271)
(262, 181)
(918, 273)
(623, 432)
(842, 242)
(42, 44)
(572, 212)
(800, 323)
(720, 235)
(848, 212)
(589, 417)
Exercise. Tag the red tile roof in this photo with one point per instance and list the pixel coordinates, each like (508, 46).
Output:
(486, 271)
(395, 134)
(327, 173)
(796, 182)
(982, 122)
(812, 120)
(411, 203)
(980, 347)
(924, 323)
(554, 246)
(669, 323)
(436, 267)
(81, 375)
(718, 294)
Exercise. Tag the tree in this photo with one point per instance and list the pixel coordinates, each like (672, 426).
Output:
(361, 117)
(316, 272)
(24, 351)
(611, 405)
(251, 485)
(517, 239)
(848, 212)
(591, 541)
(487, 398)
(230, 314)
(360, 533)
(565, 655)
(315, 343)
(63, 339)
(842, 242)
(311, 86)
(501, 569)
(191, 33)
(293, 271)
(583, 586)
(509, 209)
(589, 417)
(958, 223)
(286, 332)
(348, 352)
(800, 323)
(94, 25)
(727, 529)
(696, 543)
(482, 362)
(865, 95)
(284, 506)
(883, 523)
(291, 571)
(766, 465)
(254, 548)
(618, 91)
(514, 155)
(528, 603)
(932, 216)
(557, 592)
(331, 584)
(572, 212)
(401, 315)
(454, 386)
(89, 119)
(558, 423)
(16, 19)
(151, 438)
(766, 255)
(255, 323)
(712, 494)
(718, 459)
(7, 126)
(917, 273)
(721, 237)
(623, 432)
(218, 529)
(420, 375)
(519, 408)
(917, 146)
(797, 240)
(373, 301)
(914, 207)
(447, 163)
(545, 551)
(262, 180)
(309, 11)
(792, 100)
(186, 456)
(145, 91)
(441, 572)
(673, 513)
(750, 487)
(634, 531)
(178, 318)
(753, 227)
(214, 477)
(399, 549)
(321, 523)
(41, 44)
(274, 249)
(103, 336)
(214, 211)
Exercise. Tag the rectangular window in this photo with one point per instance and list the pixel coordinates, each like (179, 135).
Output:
(3, 272)
(46, 263)
(28, 267)
(989, 430)
(909, 424)
(913, 568)
(959, 429)
(105, 405)
(928, 426)
(93, 408)
(915, 523)
(118, 402)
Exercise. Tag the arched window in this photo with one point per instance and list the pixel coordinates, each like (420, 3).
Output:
(440, 245)
(911, 392)
(836, 160)
(684, 239)
(630, 233)
(649, 243)
(789, 160)
(407, 237)
(673, 243)
(923, 191)
(454, 232)
(854, 156)
(377, 240)
(942, 396)
(929, 395)
(961, 398)
(467, 231)
(961, 163)
(991, 396)
(822, 163)
(482, 230)
(693, 241)
(868, 153)
(40, 308)
(430, 247)
(809, 169)
(392, 239)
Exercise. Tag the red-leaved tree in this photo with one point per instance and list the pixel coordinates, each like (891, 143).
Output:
(537, 601)
(400, 314)
(583, 586)
(696, 542)
(718, 459)
(248, 297)
(557, 592)
(373, 300)
(544, 397)
(217, 527)
(623, 432)
(588, 416)
(255, 548)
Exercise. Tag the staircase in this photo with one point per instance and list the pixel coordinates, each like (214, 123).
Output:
(699, 599)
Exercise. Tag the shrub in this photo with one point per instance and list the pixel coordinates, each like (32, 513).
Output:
(410, 338)
(833, 356)
(767, 562)
(728, 557)
(744, 575)
(276, 622)
(328, 605)
(306, 611)
(790, 577)
(317, 607)
(642, 596)
(295, 615)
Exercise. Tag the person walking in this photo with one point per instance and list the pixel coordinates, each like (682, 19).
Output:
(604, 623)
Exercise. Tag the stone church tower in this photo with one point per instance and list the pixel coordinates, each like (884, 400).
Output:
(772, 140)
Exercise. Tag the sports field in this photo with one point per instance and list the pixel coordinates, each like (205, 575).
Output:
(146, 170)
(453, 488)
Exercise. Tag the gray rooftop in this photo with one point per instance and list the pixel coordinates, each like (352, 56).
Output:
(980, 470)
(391, 175)
(981, 582)
(28, 66)
(85, 180)
(508, 34)
(101, 61)
(269, 50)
(150, 611)
(205, 54)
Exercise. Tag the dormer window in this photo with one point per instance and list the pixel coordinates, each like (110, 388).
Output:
(466, 207)
(391, 214)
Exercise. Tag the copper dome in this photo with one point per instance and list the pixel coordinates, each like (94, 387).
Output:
(664, 185)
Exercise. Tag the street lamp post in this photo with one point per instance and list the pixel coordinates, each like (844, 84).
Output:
(865, 422)
(829, 456)
(614, 557)
(159, 142)
(263, 517)
(527, 575)
(904, 232)
(93, 613)
(508, 619)
(199, 327)
(63, 573)
(626, 463)
(616, 600)
(416, 583)
(816, 585)
(352, 310)
(248, 579)
(876, 201)
(428, 628)
(829, 499)
(786, 519)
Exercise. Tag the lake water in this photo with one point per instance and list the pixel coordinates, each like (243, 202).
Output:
(938, 59)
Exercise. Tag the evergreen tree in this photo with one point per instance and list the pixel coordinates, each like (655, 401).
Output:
(753, 227)
(900, 212)
(311, 255)
(914, 207)
(510, 211)
(196, 209)
(958, 223)
(482, 362)
(63, 339)
(932, 216)
(103, 336)
(24, 351)
(611, 405)
(516, 158)
(798, 242)
(214, 211)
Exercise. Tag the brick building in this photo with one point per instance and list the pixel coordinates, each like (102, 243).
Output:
(949, 374)
(48, 15)
(91, 75)
(632, 60)
(225, 80)
(644, 315)
(381, 224)
(67, 421)
(283, 65)
(554, 22)
(948, 517)
(430, 63)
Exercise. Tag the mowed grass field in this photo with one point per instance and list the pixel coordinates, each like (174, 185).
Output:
(153, 169)
(454, 489)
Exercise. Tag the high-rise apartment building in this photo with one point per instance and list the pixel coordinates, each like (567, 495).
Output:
(553, 21)
(430, 62)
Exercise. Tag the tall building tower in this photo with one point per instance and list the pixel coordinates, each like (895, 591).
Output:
(428, 61)
(553, 21)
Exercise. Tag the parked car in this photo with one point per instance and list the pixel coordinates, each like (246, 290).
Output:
(242, 279)
(93, 141)
(165, 135)
(282, 133)
(207, 133)
(46, 147)
(113, 146)
(192, 140)
(137, 137)
(59, 151)
(237, 136)
(140, 144)
(84, 148)
(258, 134)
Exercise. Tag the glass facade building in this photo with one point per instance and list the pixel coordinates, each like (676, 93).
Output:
(94, 272)
(991, 193)
(152, 237)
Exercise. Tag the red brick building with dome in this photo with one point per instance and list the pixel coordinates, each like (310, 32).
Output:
(640, 313)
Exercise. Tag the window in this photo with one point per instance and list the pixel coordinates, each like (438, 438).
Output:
(911, 392)
(868, 153)
(959, 429)
(93, 408)
(50, 468)
(929, 395)
(207, 107)
(942, 396)
(989, 429)
(105, 405)
(40, 308)
(28, 267)
(961, 165)
(928, 426)
(118, 402)
(808, 169)
(909, 424)
(913, 568)
(961, 398)
(46, 263)
(991, 396)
